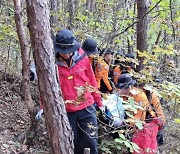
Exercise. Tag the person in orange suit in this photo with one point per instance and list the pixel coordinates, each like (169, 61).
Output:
(127, 89)
(145, 138)
(90, 48)
(99, 65)
(157, 108)
(102, 70)
(122, 67)
(155, 103)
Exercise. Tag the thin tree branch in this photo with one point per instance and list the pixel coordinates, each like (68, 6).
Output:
(137, 20)
(158, 37)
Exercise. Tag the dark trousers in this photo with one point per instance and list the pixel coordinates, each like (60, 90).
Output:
(85, 128)
(160, 137)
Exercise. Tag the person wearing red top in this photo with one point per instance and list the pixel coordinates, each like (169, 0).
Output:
(75, 70)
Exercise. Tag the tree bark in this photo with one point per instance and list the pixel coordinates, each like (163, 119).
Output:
(54, 8)
(0, 3)
(130, 47)
(93, 4)
(59, 130)
(71, 14)
(158, 37)
(25, 63)
(90, 5)
(141, 29)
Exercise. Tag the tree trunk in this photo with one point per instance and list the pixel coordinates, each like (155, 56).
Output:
(93, 4)
(76, 6)
(90, 5)
(71, 14)
(141, 29)
(53, 9)
(174, 32)
(25, 68)
(59, 130)
(1, 3)
(130, 47)
(158, 37)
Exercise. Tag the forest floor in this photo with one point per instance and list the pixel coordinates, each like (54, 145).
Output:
(14, 121)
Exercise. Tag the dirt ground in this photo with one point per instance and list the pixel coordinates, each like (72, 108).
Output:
(14, 121)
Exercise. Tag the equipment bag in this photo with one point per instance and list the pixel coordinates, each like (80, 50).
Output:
(146, 138)
(114, 105)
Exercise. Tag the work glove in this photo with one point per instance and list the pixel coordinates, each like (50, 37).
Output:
(39, 115)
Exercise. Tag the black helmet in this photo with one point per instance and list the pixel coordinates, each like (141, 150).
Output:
(125, 80)
(90, 46)
(65, 42)
(107, 51)
(129, 55)
(157, 79)
(117, 57)
(120, 53)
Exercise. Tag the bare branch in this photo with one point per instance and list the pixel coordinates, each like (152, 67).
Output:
(137, 20)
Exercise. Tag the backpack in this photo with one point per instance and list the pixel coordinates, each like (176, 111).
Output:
(94, 63)
(148, 115)
(115, 109)
(146, 139)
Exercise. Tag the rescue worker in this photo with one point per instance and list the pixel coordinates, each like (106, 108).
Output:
(145, 138)
(74, 72)
(103, 68)
(117, 69)
(123, 67)
(100, 67)
(129, 55)
(118, 56)
(154, 102)
(126, 88)
(90, 48)
(129, 62)
(157, 108)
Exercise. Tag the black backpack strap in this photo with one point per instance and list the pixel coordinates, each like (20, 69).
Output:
(94, 64)
(149, 97)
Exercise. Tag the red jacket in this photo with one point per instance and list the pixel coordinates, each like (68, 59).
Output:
(78, 74)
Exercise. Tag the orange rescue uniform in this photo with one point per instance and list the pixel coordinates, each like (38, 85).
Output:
(101, 71)
(156, 105)
(142, 100)
(117, 72)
